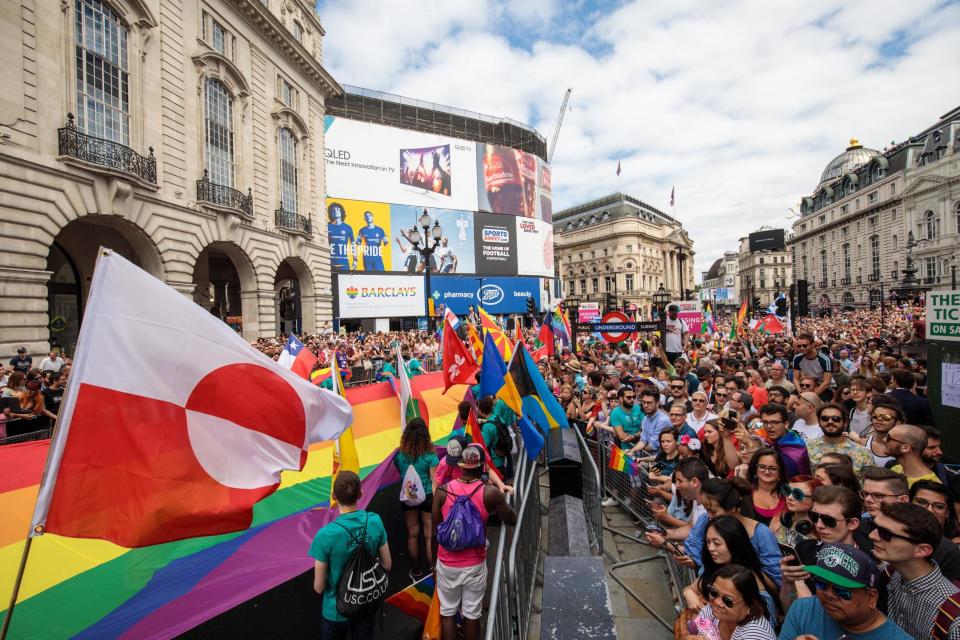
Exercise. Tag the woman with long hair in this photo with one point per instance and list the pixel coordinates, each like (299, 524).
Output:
(766, 474)
(867, 367)
(16, 385)
(936, 498)
(837, 474)
(726, 540)
(732, 498)
(735, 610)
(793, 524)
(718, 448)
(745, 449)
(417, 451)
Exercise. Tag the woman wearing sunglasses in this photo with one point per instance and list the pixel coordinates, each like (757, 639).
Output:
(725, 540)
(732, 498)
(766, 475)
(734, 609)
(794, 525)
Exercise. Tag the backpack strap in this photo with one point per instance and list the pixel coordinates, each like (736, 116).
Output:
(948, 612)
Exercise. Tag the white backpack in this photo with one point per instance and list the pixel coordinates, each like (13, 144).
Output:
(411, 488)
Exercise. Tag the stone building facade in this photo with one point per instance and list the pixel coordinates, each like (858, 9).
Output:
(872, 207)
(187, 135)
(619, 244)
(762, 274)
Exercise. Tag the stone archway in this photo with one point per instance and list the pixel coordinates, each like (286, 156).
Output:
(71, 260)
(295, 298)
(226, 285)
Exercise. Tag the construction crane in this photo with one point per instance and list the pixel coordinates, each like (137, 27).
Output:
(556, 127)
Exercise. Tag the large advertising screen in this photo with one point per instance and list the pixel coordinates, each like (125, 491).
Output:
(455, 253)
(534, 247)
(495, 295)
(378, 296)
(513, 182)
(769, 240)
(495, 239)
(383, 164)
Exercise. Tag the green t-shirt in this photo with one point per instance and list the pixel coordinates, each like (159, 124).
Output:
(333, 546)
(630, 422)
(423, 464)
(489, 431)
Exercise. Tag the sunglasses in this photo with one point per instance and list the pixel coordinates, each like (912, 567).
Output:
(844, 594)
(828, 521)
(794, 492)
(886, 535)
(836, 419)
(806, 386)
(629, 397)
(677, 386)
(725, 599)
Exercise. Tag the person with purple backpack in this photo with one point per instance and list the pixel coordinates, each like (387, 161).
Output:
(461, 508)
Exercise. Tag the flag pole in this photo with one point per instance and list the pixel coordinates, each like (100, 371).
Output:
(16, 587)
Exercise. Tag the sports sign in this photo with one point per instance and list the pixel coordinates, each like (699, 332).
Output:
(379, 296)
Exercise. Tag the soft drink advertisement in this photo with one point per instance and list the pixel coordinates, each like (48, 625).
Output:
(495, 295)
(691, 313)
(513, 182)
(495, 239)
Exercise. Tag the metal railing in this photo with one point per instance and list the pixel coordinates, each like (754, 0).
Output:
(499, 622)
(524, 551)
(592, 487)
(224, 196)
(290, 221)
(106, 153)
(41, 434)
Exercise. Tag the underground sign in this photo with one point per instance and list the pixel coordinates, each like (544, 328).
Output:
(612, 332)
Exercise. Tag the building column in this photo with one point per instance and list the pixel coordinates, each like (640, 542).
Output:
(23, 311)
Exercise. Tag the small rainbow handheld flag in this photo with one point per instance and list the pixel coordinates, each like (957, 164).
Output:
(620, 462)
(415, 599)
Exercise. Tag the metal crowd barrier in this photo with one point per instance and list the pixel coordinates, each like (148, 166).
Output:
(42, 434)
(592, 492)
(524, 552)
(631, 492)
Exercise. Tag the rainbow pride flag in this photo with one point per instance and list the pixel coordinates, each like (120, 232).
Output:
(101, 590)
(415, 599)
(620, 462)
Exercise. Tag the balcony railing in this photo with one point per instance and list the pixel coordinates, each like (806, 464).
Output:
(931, 280)
(859, 279)
(291, 221)
(823, 284)
(873, 277)
(223, 196)
(844, 281)
(105, 153)
(893, 274)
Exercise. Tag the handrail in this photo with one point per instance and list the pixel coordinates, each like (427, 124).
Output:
(592, 491)
(291, 221)
(527, 527)
(224, 196)
(107, 153)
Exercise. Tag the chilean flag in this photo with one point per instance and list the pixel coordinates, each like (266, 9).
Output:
(297, 358)
(172, 426)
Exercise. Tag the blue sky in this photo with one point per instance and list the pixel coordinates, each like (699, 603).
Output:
(738, 104)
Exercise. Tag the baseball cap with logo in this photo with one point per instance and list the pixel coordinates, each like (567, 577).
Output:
(844, 565)
(472, 457)
(455, 449)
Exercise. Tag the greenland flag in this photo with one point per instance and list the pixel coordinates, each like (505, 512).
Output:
(172, 426)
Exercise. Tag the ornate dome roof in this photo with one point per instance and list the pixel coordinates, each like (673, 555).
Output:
(854, 156)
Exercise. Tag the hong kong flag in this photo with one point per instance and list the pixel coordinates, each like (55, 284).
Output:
(172, 426)
(459, 367)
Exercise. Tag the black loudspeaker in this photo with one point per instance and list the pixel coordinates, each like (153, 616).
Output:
(563, 463)
(803, 292)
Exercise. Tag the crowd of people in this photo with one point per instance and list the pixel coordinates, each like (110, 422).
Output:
(798, 476)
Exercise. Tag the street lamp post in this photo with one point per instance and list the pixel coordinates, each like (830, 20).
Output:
(661, 298)
(681, 258)
(434, 232)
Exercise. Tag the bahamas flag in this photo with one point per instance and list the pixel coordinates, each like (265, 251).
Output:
(539, 405)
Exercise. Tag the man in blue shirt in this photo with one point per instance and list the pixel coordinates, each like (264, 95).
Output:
(370, 240)
(654, 421)
(340, 235)
(626, 419)
(332, 548)
(846, 603)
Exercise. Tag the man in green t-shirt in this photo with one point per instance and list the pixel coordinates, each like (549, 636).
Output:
(488, 428)
(332, 548)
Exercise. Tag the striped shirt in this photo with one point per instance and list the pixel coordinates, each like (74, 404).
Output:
(913, 604)
(758, 629)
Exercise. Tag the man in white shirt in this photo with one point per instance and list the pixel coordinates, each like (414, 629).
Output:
(52, 363)
(676, 334)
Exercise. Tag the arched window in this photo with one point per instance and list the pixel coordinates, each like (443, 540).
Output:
(288, 171)
(956, 216)
(218, 127)
(103, 94)
(877, 172)
(930, 219)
